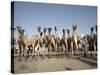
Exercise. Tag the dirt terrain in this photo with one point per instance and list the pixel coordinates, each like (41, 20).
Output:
(45, 64)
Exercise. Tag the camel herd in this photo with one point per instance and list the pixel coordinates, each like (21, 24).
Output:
(47, 43)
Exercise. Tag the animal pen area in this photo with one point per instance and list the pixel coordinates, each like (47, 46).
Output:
(47, 52)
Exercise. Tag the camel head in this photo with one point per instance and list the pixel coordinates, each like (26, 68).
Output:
(18, 27)
(49, 30)
(55, 28)
(39, 29)
(74, 27)
(19, 30)
(92, 29)
(68, 31)
(23, 31)
(44, 30)
(64, 31)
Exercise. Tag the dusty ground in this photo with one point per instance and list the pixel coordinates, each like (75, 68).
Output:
(45, 64)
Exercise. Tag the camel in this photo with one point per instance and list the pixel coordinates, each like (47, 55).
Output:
(45, 40)
(77, 41)
(20, 42)
(36, 46)
(56, 46)
(44, 37)
(74, 40)
(50, 41)
(30, 45)
(85, 46)
(93, 40)
(57, 39)
(38, 41)
(80, 40)
(63, 41)
(69, 40)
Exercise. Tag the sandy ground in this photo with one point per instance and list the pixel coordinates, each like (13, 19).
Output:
(45, 64)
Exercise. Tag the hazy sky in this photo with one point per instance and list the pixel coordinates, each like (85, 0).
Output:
(31, 15)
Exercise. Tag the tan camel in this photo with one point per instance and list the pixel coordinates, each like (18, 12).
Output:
(56, 39)
(69, 40)
(80, 40)
(64, 41)
(44, 37)
(38, 41)
(74, 40)
(50, 41)
(20, 41)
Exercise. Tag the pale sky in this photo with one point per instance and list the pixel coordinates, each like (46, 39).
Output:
(30, 15)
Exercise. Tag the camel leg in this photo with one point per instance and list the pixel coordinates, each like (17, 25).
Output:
(54, 48)
(19, 53)
(63, 48)
(25, 52)
(50, 49)
(77, 51)
(66, 49)
(72, 51)
(33, 52)
(94, 51)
